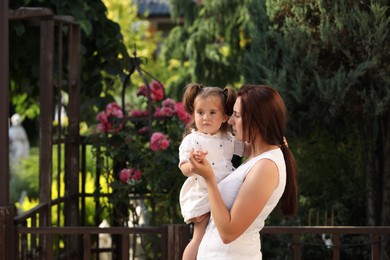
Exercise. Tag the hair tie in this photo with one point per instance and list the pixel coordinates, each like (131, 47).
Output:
(283, 142)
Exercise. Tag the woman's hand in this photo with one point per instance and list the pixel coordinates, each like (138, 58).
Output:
(200, 165)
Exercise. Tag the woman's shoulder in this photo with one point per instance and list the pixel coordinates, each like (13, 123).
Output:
(273, 155)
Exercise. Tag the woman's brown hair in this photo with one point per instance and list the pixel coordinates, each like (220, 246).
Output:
(264, 112)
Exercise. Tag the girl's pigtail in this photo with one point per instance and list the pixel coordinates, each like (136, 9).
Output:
(190, 93)
(230, 98)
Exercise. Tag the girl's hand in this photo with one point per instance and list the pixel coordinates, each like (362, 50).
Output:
(201, 167)
(200, 155)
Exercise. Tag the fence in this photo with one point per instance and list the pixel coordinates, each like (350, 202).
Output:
(36, 242)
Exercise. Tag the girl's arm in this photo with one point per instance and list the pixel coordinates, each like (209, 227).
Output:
(186, 169)
(252, 197)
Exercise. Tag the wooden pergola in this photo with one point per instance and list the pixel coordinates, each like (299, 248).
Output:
(14, 230)
(47, 21)
(6, 210)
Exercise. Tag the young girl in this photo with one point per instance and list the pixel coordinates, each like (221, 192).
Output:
(209, 136)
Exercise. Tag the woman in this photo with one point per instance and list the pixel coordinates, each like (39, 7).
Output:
(242, 201)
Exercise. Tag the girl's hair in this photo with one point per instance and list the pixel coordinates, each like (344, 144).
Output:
(264, 112)
(227, 96)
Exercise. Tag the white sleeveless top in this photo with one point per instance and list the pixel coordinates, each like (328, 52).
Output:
(247, 246)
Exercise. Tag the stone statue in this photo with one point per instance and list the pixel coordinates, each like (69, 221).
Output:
(19, 146)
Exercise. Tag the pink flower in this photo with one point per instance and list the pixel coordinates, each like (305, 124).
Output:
(128, 175)
(156, 91)
(182, 114)
(102, 117)
(124, 175)
(137, 113)
(113, 109)
(109, 118)
(169, 102)
(143, 130)
(136, 174)
(162, 112)
(168, 108)
(142, 91)
(102, 128)
(159, 141)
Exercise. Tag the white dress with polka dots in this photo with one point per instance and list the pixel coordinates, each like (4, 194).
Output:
(193, 195)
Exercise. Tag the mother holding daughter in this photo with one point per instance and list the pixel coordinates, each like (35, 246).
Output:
(240, 203)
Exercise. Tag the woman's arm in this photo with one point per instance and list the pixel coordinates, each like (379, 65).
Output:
(253, 195)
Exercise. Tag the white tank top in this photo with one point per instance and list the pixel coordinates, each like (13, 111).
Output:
(248, 245)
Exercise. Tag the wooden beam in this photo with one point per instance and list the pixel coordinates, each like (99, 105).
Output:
(4, 106)
(29, 12)
(46, 110)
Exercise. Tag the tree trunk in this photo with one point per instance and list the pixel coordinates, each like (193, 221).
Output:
(369, 168)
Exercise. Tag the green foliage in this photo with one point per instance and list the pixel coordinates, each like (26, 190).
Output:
(212, 40)
(101, 50)
(329, 60)
(331, 162)
(25, 177)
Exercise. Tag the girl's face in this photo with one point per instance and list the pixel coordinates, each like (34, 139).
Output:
(236, 120)
(209, 114)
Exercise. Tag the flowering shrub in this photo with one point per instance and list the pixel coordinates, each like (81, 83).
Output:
(138, 153)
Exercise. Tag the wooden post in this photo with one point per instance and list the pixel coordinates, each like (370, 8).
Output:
(175, 238)
(375, 239)
(7, 233)
(46, 110)
(297, 245)
(336, 246)
(325, 218)
(4, 106)
(309, 218)
(7, 211)
(45, 122)
(72, 152)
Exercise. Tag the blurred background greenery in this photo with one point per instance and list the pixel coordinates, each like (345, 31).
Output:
(328, 59)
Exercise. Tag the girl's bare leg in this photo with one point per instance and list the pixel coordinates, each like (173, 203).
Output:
(191, 250)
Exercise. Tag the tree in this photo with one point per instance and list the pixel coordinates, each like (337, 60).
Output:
(212, 40)
(330, 61)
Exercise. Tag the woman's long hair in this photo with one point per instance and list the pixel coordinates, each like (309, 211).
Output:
(264, 112)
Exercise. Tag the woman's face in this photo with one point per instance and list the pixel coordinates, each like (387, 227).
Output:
(236, 120)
